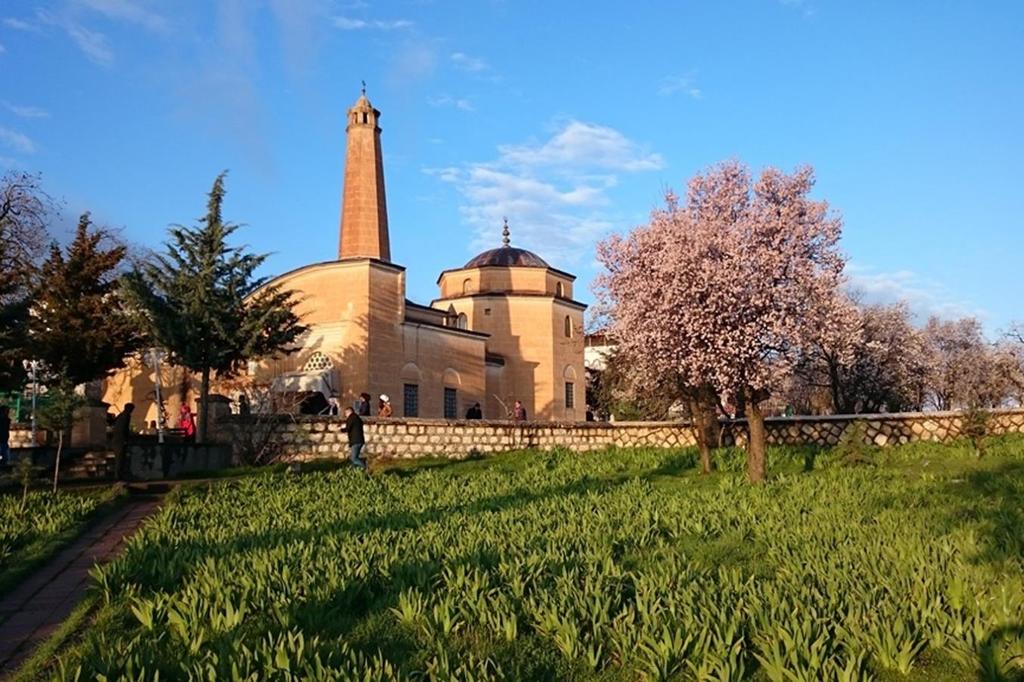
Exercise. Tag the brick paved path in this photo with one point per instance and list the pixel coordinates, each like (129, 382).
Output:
(38, 606)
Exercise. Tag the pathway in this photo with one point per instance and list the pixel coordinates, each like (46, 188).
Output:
(38, 606)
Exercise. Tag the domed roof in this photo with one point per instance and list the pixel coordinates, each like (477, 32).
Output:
(507, 256)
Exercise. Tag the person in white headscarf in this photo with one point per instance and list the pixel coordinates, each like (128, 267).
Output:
(384, 408)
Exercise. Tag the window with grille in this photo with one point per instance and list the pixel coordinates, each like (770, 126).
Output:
(570, 395)
(411, 400)
(451, 404)
(317, 362)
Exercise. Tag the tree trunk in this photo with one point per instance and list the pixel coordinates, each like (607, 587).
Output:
(704, 408)
(838, 404)
(56, 465)
(700, 432)
(204, 406)
(755, 442)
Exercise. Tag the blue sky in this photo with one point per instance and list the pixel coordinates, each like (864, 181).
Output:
(570, 118)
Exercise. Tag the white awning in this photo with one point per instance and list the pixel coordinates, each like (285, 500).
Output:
(303, 382)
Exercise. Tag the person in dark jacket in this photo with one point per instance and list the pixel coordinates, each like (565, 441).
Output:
(5, 433)
(119, 432)
(363, 405)
(475, 412)
(356, 440)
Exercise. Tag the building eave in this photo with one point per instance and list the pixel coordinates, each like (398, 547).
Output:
(514, 294)
(556, 271)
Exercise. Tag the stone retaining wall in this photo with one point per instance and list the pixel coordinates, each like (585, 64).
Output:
(21, 436)
(153, 461)
(311, 437)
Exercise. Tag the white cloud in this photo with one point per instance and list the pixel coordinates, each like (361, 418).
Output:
(348, 24)
(92, 43)
(555, 194)
(465, 62)
(129, 11)
(20, 25)
(671, 85)
(461, 103)
(924, 296)
(16, 141)
(581, 144)
(26, 111)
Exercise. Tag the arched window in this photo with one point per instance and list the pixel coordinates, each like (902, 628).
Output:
(467, 286)
(560, 290)
(462, 321)
(568, 327)
(317, 362)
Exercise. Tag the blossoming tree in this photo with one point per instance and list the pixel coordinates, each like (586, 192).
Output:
(723, 292)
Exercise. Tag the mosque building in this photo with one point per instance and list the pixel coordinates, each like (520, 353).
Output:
(504, 326)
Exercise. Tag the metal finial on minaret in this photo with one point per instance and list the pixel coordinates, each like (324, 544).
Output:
(505, 233)
(364, 86)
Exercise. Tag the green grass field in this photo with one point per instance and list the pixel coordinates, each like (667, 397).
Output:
(618, 565)
(31, 534)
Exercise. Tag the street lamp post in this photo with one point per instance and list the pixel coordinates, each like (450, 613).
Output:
(32, 368)
(155, 356)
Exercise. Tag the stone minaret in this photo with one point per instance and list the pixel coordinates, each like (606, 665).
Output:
(364, 211)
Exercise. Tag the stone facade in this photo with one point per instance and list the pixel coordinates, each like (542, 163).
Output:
(308, 438)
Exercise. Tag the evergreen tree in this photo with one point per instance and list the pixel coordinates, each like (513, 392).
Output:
(204, 304)
(78, 325)
(14, 304)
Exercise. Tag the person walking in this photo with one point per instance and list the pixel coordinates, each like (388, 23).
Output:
(519, 412)
(353, 427)
(475, 412)
(363, 405)
(5, 433)
(384, 409)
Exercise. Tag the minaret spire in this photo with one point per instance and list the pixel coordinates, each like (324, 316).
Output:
(363, 232)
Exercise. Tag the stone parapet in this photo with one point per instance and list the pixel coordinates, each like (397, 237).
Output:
(313, 437)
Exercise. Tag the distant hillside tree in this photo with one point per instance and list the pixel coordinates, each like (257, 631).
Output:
(202, 301)
(873, 359)
(965, 370)
(78, 325)
(723, 293)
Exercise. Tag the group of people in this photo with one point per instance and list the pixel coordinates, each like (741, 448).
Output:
(353, 426)
(120, 425)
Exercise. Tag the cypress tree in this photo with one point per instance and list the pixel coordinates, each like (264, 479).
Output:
(203, 302)
(79, 325)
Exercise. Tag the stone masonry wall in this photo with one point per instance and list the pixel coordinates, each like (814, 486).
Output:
(21, 436)
(312, 437)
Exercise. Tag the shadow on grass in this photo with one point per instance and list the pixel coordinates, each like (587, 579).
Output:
(992, 499)
(991, 658)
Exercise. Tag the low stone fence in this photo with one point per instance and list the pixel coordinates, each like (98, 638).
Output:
(21, 436)
(878, 429)
(311, 437)
(153, 461)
